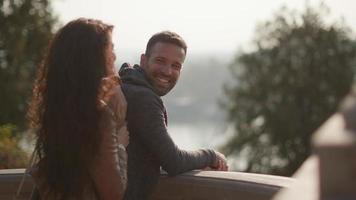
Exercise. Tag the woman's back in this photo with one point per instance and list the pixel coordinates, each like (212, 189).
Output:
(77, 112)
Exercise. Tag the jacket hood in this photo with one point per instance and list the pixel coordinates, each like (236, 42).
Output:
(134, 75)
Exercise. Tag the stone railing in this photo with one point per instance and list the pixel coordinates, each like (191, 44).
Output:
(220, 185)
(192, 185)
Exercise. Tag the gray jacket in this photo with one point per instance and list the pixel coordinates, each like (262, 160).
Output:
(150, 145)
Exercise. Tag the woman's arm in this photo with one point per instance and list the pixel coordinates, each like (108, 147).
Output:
(110, 164)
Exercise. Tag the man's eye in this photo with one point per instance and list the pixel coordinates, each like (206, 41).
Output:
(159, 61)
(176, 66)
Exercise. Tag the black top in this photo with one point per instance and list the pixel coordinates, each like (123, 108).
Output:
(150, 146)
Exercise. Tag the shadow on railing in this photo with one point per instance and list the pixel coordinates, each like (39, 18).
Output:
(191, 185)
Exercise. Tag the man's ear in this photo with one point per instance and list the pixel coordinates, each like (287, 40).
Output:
(143, 60)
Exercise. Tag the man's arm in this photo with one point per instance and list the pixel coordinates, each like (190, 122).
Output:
(145, 113)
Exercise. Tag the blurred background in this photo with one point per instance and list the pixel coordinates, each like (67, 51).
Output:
(259, 78)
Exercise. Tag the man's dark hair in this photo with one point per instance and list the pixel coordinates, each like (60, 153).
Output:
(165, 37)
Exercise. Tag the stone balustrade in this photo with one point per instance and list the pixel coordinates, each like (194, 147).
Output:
(201, 185)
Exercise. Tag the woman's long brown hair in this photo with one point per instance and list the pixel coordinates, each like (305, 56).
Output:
(64, 108)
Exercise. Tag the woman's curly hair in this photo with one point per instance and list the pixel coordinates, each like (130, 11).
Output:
(64, 111)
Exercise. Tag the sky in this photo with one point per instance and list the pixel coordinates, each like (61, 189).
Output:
(208, 26)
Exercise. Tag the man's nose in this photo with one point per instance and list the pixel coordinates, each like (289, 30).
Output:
(166, 70)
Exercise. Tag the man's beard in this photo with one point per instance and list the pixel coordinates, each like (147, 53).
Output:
(161, 90)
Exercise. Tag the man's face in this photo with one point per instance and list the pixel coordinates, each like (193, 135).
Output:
(163, 66)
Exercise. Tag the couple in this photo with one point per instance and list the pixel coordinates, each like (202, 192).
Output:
(101, 135)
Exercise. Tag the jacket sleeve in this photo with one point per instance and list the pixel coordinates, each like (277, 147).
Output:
(107, 172)
(146, 115)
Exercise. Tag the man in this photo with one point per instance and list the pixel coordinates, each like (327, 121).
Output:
(150, 146)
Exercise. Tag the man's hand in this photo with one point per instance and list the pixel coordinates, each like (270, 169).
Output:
(220, 162)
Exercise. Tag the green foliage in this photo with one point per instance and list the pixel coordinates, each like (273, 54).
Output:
(25, 29)
(286, 88)
(11, 153)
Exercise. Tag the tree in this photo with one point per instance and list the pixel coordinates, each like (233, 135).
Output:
(286, 88)
(12, 154)
(25, 29)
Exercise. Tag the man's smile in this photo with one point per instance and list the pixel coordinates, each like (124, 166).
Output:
(162, 81)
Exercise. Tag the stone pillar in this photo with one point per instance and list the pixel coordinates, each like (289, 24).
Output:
(335, 145)
(330, 173)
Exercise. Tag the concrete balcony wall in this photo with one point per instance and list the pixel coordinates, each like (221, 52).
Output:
(9, 182)
(219, 185)
(197, 185)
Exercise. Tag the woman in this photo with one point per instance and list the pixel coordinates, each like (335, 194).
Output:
(78, 113)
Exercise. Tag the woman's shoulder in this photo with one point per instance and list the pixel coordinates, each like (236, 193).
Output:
(117, 103)
(117, 97)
